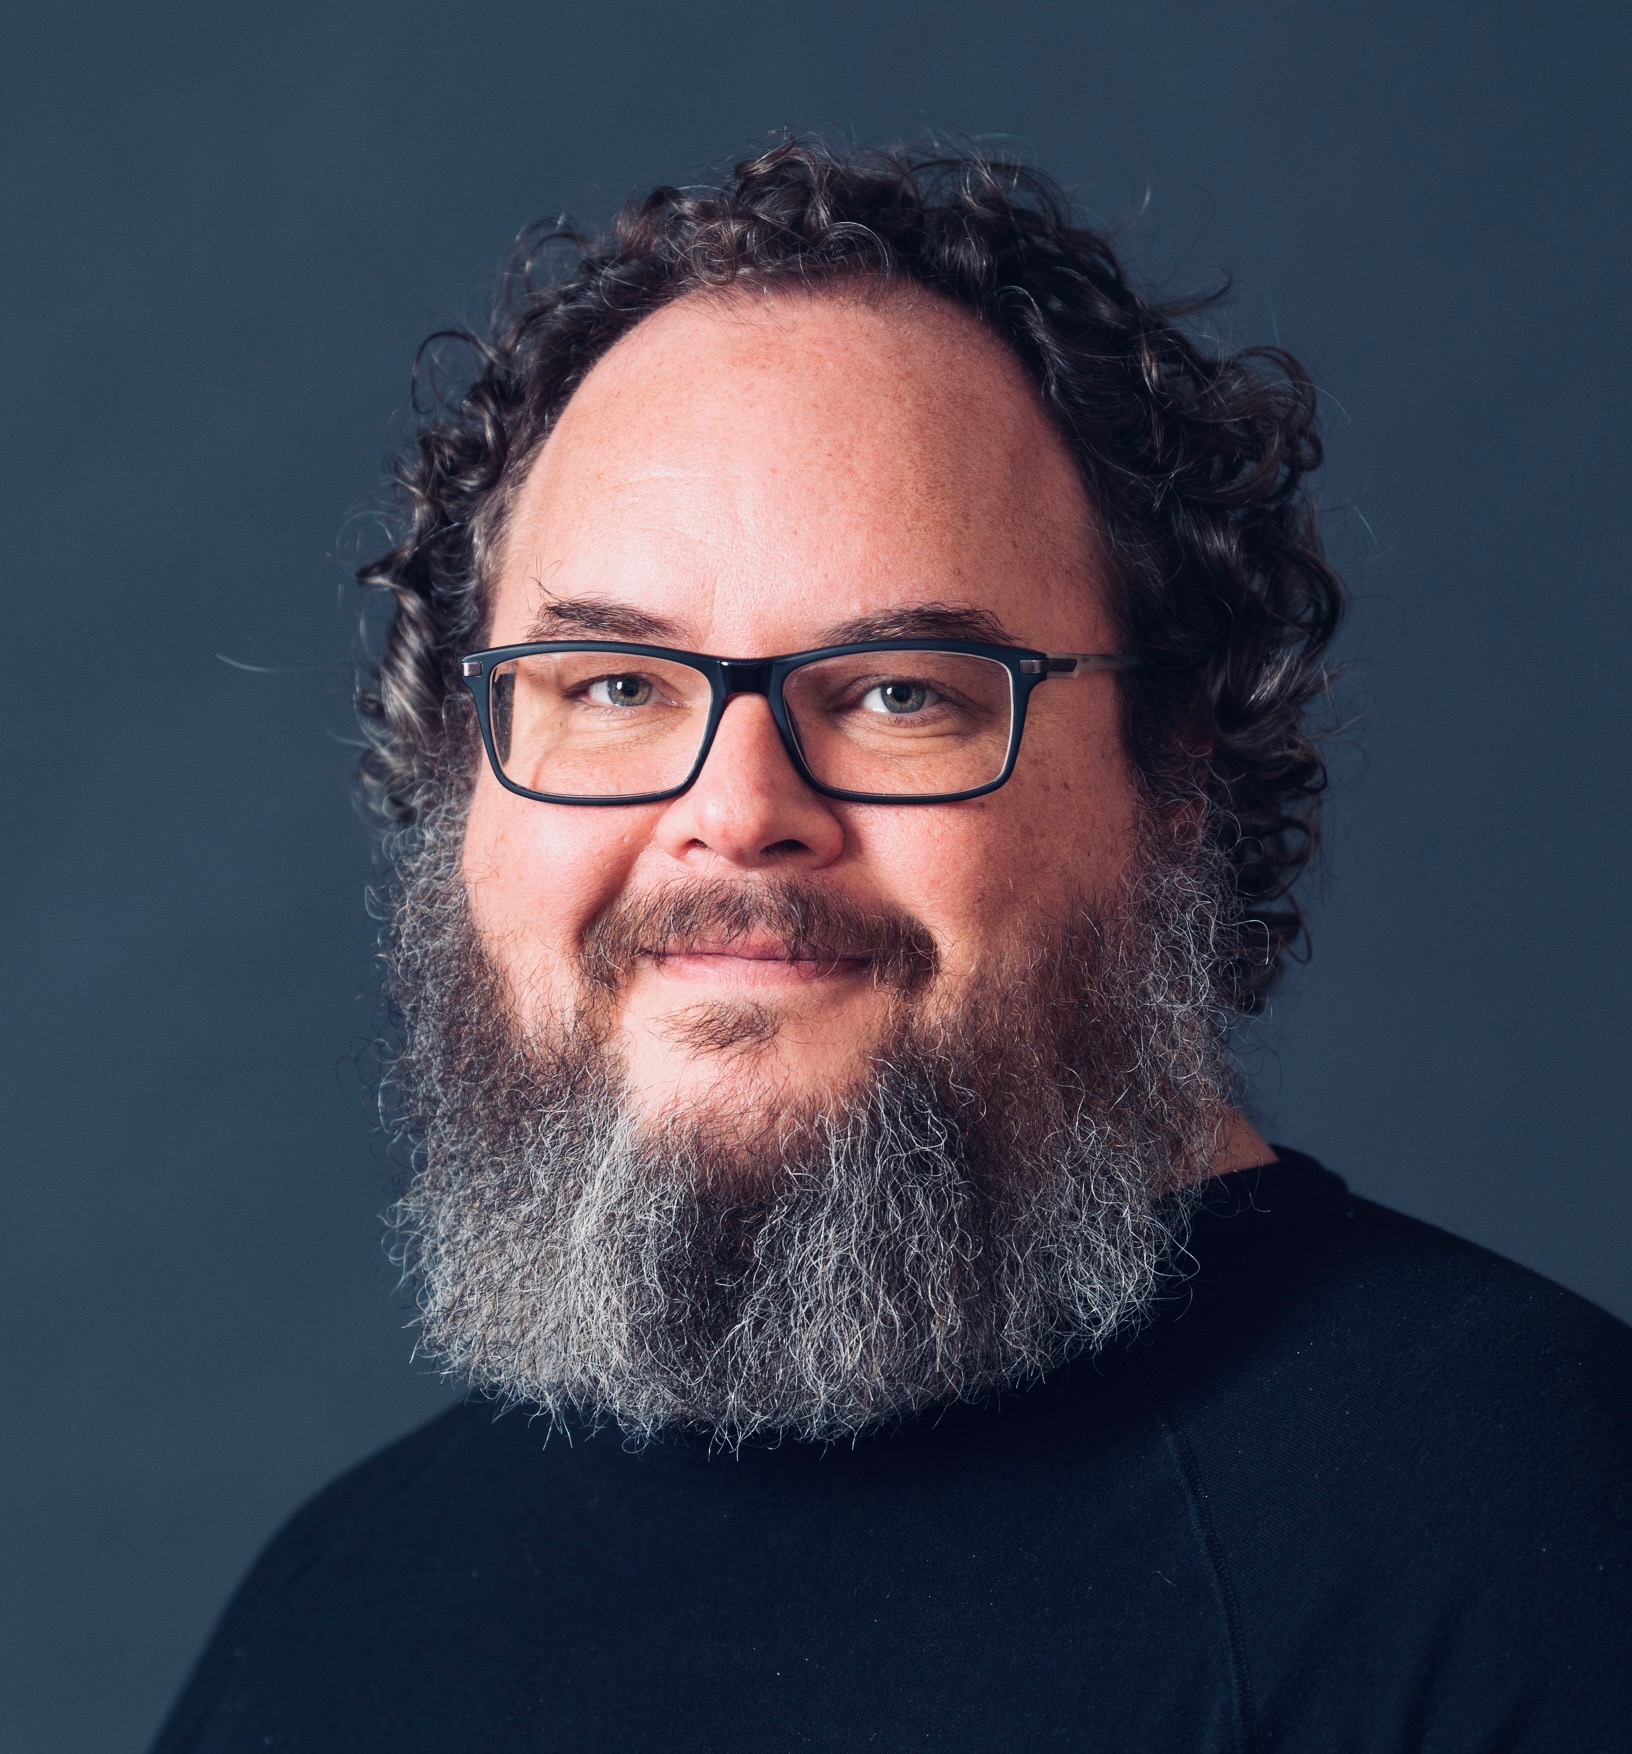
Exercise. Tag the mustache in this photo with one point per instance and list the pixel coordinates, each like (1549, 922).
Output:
(811, 923)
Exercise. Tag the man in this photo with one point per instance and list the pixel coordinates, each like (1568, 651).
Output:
(845, 727)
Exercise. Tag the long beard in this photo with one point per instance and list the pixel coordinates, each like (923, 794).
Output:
(1005, 1188)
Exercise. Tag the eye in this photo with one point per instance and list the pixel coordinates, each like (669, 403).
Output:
(619, 691)
(898, 697)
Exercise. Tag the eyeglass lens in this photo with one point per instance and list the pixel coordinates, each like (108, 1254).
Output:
(605, 724)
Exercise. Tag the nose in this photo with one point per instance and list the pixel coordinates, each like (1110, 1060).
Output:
(749, 808)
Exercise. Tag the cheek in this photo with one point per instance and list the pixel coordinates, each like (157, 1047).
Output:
(1076, 791)
(1078, 836)
(536, 875)
(1063, 828)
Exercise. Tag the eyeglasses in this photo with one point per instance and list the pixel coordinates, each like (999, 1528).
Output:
(880, 722)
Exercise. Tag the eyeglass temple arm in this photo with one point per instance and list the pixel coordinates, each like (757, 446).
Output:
(1078, 663)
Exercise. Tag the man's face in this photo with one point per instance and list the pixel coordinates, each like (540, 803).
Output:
(753, 476)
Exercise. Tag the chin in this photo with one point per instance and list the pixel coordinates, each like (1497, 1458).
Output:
(739, 1066)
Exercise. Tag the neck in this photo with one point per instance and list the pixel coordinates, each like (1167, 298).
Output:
(1240, 1146)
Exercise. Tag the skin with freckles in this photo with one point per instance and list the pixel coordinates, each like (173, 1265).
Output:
(750, 475)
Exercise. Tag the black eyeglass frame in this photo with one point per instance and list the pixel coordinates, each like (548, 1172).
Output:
(766, 676)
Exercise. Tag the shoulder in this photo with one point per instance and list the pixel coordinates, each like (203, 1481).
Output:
(1317, 1312)
(380, 1490)
(1403, 1436)
(1289, 1259)
(378, 1503)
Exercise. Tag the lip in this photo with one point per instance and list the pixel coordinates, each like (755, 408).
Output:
(752, 962)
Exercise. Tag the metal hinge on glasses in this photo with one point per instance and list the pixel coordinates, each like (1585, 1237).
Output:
(1077, 663)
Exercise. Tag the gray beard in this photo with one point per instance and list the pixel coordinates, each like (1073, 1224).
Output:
(1007, 1187)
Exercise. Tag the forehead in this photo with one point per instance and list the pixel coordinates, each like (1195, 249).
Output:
(755, 468)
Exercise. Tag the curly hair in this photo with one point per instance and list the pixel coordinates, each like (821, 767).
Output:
(1195, 459)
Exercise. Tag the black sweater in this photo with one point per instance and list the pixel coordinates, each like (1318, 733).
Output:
(1359, 1485)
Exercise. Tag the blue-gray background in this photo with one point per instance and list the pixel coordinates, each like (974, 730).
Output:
(225, 229)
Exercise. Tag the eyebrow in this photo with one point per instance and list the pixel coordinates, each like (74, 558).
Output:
(596, 617)
(924, 621)
(593, 616)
